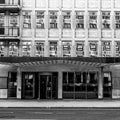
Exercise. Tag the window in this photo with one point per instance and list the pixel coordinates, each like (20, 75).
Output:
(77, 85)
(117, 20)
(13, 19)
(80, 49)
(66, 49)
(26, 48)
(79, 20)
(117, 47)
(27, 19)
(13, 48)
(66, 20)
(2, 49)
(40, 20)
(2, 19)
(106, 20)
(93, 20)
(53, 49)
(39, 49)
(53, 20)
(106, 49)
(93, 49)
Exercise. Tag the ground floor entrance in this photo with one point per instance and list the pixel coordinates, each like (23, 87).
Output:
(74, 85)
(40, 85)
(47, 86)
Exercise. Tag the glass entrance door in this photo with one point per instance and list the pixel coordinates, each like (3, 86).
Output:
(48, 87)
(12, 84)
(107, 85)
(28, 85)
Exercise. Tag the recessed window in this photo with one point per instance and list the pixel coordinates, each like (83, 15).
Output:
(106, 20)
(53, 20)
(66, 20)
(93, 49)
(53, 49)
(40, 20)
(26, 48)
(2, 49)
(93, 20)
(117, 48)
(13, 48)
(2, 20)
(80, 49)
(79, 20)
(13, 20)
(39, 49)
(27, 19)
(117, 20)
(106, 49)
(66, 49)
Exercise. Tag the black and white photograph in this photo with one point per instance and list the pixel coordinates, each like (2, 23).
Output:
(59, 59)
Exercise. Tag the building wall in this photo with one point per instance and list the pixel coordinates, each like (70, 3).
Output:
(96, 42)
(98, 36)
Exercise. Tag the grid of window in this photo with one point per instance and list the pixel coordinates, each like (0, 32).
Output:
(93, 48)
(53, 20)
(40, 20)
(27, 19)
(117, 20)
(106, 49)
(93, 20)
(66, 49)
(117, 48)
(106, 20)
(53, 49)
(80, 49)
(80, 85)
(79, 20)
(26, 48)
(39, 49)
(2, 19)
(66, 20)
(13, 48)
(2, 49)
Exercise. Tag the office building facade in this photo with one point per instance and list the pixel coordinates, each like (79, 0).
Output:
(59, 49)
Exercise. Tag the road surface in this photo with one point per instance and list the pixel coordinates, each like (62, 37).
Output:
(60, 113)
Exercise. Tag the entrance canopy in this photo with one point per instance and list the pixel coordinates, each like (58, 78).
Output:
(87, 61)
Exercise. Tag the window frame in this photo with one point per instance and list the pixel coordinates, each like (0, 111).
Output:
(79, 22)
(117, 20)
(106, 21)
(66, 16)
(40, 19)
(39, 52)
(54, 20)
(93, 23)
(27, 17)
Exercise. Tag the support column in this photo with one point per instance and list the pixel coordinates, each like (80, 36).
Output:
(19, 81)
(100, 84)
(60, 85)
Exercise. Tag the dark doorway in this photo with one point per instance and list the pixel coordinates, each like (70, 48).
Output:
(107, 85)
(28, 85)
(48, 86)
(12, 84)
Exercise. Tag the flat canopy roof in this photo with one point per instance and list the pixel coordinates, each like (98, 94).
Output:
(81, 59)
(90, 62)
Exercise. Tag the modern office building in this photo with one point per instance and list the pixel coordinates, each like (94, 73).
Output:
(60, 49)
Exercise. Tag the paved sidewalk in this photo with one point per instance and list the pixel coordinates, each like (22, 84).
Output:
(60, 103)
